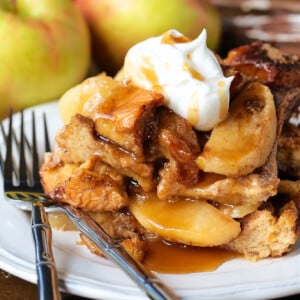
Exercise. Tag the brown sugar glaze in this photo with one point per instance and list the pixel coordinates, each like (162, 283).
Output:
(168, 258)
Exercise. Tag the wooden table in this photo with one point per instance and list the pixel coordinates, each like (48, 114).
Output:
(13, 288)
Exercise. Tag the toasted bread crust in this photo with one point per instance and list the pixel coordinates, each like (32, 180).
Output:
(264, 63)
(265, 234)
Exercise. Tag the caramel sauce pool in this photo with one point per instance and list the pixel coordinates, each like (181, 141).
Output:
(163, 257)
(177, 259)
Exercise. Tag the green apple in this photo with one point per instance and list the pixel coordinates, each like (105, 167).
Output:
(45, 50)
(116, 25)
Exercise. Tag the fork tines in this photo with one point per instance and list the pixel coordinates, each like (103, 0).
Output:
(19, 174)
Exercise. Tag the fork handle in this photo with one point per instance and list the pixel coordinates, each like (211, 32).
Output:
(46, 271)
(146, 280)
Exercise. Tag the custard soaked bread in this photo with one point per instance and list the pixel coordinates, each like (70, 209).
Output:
(145, 170)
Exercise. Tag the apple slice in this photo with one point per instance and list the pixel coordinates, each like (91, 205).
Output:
(189, 222)
(86, 96)
(243, 141)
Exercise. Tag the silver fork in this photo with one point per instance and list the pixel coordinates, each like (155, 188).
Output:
(20, 186)
(28, 196)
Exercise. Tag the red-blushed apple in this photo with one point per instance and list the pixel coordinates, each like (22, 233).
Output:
(45, 50)
(116, 25)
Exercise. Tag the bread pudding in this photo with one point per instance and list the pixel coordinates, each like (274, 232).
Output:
(146, 168)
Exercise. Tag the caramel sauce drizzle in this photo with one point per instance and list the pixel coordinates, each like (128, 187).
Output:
(223, 99)
(169, 258)
(192, 71)
(170, 39)
(193, 111)
(150, 75)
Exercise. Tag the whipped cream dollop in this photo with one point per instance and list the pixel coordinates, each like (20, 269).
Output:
(186, 72)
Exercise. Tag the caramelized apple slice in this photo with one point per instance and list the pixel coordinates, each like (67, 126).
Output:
(122, 112)
(194, 223)
(86, 96)
(243, 141)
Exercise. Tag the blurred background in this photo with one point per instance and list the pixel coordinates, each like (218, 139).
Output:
(273, 21)
(48, 46)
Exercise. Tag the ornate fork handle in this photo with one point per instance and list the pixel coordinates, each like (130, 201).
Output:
(45, 266)
(146, 280)
(153, 287)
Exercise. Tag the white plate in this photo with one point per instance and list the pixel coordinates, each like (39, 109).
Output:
(84, 274)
